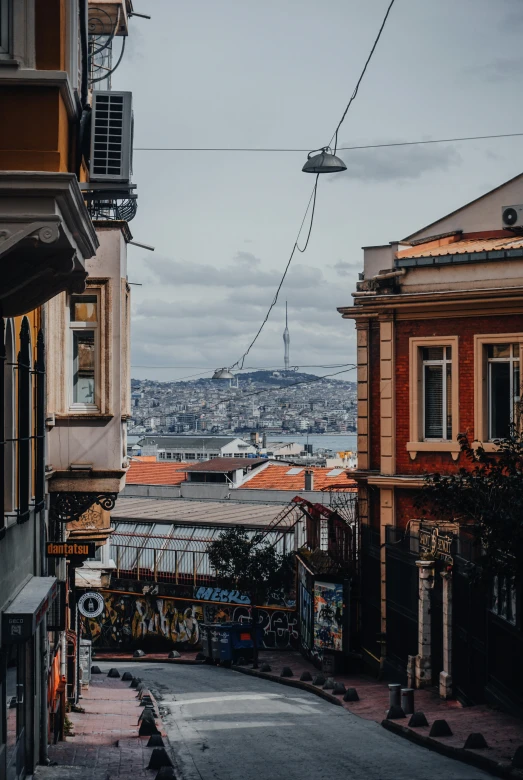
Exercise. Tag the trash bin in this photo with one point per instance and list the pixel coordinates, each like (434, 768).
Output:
(205, 640)
(229, 641)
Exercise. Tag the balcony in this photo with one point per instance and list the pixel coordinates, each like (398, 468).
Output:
(46, 235)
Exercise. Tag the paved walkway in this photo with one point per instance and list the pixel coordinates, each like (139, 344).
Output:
(503, 733)
(105, 744)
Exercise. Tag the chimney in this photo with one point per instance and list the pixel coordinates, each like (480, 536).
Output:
(309, 479)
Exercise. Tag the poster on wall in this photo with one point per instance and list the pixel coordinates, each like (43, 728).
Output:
(328, 615)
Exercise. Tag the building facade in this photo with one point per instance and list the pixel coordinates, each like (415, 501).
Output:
(439, 320)
(56, 264)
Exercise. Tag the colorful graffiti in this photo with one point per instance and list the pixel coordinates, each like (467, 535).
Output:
(129, 620)
(150, 621)
(328, 615)
(221, 594)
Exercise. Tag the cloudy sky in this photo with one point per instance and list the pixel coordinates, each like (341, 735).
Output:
(239, 73)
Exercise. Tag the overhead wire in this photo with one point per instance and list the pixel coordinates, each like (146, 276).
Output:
(312, 199)
(390, 145)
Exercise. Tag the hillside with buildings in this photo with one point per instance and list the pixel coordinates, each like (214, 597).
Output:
(268, 401)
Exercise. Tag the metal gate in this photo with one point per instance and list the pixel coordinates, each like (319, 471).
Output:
(469, 633)
(402, 600)
(370, 597)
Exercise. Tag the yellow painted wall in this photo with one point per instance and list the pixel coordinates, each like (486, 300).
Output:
(34, 135)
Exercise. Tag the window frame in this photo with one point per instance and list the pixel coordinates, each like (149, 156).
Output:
(104, 391)
(5, 29)
(481, 382)
(511, 360)
(417, 442)
(444, 363)
(79, 327)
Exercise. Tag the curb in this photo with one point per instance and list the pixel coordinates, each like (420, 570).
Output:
(304, 686)
(144, 659)
(497, 768)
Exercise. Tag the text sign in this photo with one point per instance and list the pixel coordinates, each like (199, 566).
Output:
(67, 549)
(438, 544)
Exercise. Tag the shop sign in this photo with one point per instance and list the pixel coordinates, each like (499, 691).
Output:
(91, 604)
(70, 550)
(435, 543)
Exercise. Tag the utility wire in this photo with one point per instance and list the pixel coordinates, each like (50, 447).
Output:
(340, 149)
(312, 200)
(356, 88)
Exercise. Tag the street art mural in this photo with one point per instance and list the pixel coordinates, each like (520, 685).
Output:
(328, 615)
(129, 620)
(152, 622)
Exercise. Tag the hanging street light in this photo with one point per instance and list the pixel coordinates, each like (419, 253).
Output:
(222, 373)
(324, 162)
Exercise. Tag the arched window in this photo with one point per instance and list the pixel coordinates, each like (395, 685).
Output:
(24, 440)
(9, 416)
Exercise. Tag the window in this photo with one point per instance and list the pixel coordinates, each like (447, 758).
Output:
(497, 390)
(503, 598)
(5, 27)
(437, 393)
(84, 334)
(503, 388)
(433, 395)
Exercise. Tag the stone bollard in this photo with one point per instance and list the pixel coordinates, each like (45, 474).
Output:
(407, 700)
(394, 695)
(159, 758)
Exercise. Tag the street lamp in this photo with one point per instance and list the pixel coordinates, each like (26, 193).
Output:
(222, 373)
(324, 162)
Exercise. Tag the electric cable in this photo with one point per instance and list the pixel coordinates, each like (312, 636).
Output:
(356, 88)
(457, 139)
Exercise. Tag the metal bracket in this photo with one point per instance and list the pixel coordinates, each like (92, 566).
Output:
(68, 507)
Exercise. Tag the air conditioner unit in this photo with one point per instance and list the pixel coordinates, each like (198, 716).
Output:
(512, 216)
(111, 137)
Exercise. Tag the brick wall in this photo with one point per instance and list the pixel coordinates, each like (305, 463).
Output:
(465, 329)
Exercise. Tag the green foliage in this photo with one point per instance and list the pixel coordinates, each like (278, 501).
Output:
(487, 497)
(250, 564)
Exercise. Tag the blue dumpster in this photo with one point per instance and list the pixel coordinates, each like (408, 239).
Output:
(230, 641)
(205, 639)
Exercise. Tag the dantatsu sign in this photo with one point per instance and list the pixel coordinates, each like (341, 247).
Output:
(435, 543)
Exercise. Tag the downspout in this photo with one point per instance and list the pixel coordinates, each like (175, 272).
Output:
(85, 118)
(44, 651)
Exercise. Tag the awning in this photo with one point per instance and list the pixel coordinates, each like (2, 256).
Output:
(22, 617)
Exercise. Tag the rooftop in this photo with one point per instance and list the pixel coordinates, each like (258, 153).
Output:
(184, 442)
(482, 246)
(188, 512)
(224, 465)
(152, 473)
(287, 477)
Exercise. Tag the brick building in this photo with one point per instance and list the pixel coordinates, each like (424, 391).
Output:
(439, 319)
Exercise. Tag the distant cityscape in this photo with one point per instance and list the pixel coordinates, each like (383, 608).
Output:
(271, 402)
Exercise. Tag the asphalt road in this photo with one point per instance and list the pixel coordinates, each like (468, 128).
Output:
(224, 725)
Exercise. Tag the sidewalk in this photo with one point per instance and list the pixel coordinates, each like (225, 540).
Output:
(503, 733)
(105, 744)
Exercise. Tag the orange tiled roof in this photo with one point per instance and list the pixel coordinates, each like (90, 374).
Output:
(155, 473)
(464, 246)
(276, 477)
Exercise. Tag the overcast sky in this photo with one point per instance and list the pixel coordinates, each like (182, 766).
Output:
(279, 73)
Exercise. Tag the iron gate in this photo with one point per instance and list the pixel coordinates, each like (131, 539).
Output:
(402, 593)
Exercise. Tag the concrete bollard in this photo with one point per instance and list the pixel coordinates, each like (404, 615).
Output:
(127, 677)
(418, 719)
(113, 673)
(286, 672)
(407, 700)
(440, 728)
(265, 668)
(394, 695)
(319, 680)
(155, 741)
(351, 695)
(306, 677)
(166, 773)
(475, 741)
(159, 758)
(95, 670)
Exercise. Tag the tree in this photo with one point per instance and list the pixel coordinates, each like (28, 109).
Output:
(488, 497)
(253, 567)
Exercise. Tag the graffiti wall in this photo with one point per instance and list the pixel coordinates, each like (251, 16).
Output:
(130, 620)
(328, 615)
(156, 623)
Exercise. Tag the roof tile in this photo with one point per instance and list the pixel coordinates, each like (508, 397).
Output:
(276, 477)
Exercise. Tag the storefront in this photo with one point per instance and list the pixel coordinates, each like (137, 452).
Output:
(20, 672)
